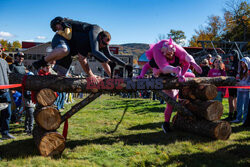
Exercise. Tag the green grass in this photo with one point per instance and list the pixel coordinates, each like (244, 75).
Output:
(138, 140)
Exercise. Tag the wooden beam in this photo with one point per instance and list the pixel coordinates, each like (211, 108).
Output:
(63, 84)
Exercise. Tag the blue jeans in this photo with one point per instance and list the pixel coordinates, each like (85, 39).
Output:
(60, 100)
(5, 114)
(219, 96)
(242, 104)
(29, 119)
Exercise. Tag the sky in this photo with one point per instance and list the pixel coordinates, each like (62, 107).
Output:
(128, 21)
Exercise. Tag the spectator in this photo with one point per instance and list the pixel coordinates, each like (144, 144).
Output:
(232, 71)
(205, 68)
(243, 94)
(17, 66)
(217, 70)
(209, 58)
(29, 108)
(17, 98)
(5, 97)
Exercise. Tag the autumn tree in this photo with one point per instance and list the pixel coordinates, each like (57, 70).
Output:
(232, 27)
(236, 19)
(211, 32)
(8, 46)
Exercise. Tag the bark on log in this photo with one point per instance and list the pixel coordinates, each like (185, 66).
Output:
(215, 129)
(62, 84)
(48, 118)
(74, 109)
(46, 97)
(49, 143)
(210, 110)
(202, 92)
(176, 106)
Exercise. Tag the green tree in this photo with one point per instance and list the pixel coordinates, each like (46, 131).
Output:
(177, 35)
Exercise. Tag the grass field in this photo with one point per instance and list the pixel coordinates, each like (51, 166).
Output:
(138, 140)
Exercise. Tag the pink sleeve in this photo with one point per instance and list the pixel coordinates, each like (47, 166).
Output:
(144, 69)
(160, 60)
(185, 66)
(181, 53)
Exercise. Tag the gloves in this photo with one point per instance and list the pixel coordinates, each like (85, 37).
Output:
(156, 72)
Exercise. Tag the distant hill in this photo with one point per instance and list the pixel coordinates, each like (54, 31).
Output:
(135, 49)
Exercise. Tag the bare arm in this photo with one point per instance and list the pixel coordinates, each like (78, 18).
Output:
(85, 66)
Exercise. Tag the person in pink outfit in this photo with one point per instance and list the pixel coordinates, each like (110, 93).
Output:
(166, 57)
(218, 70)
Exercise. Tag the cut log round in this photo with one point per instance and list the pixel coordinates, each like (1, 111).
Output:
(46, 97)
(48, 118)
(49, 143)
(210, 110)
(214, 129)
(202, 92)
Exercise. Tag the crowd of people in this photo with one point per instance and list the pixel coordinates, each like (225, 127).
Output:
(166, 58)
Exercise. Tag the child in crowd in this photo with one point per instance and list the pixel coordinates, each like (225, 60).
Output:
(217, 70)
(29, 109)
(232, 70)
(243, 94)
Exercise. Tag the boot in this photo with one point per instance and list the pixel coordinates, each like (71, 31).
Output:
(166, 127)
(39, 63)
(234, 114)
(230, 117)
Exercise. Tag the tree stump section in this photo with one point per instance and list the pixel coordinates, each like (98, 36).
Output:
(49, 143)
(210, 110)
(201, 92)
(215, 129)
(48, 118)
(46, 97)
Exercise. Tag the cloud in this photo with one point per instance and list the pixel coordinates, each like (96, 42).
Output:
(4, 35)
(41, 37)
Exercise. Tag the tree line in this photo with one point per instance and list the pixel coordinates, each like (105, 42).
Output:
(10, 47)
(233, 26)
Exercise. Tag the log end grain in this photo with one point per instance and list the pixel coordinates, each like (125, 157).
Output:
(52, 143)
(48, 118)
(46, 97)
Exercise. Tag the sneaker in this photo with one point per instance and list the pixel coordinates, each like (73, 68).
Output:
(166, 127)
(236, 121)
(8, 136)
